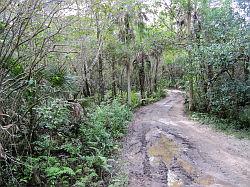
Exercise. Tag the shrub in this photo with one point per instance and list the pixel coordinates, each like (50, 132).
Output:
(113, 118)
(245, 117)
(135, 99)
(66, 153)
(54, 115)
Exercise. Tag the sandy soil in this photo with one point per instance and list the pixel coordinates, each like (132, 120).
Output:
(165, 148)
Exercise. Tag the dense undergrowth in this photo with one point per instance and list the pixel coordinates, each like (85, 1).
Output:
(69, 152)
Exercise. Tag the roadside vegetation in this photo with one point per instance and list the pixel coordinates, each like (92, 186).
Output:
(72, 72)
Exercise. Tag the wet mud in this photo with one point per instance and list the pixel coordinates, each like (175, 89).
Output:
(164, 148)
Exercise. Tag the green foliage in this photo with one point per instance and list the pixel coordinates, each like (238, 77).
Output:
(135, 99)
(226, 97)
(160, 93)
(31, 91)
(2, 26)
(96, 138)
(215, 63)
(113, 117)
(54, 115)
(13, 66)
(59, 82)
(156, 96)
(56, 76)
(67, 153)
(87, 102)
(55, 172)
(244, 117)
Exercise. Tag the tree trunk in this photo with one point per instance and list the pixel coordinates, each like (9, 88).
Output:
(156, 73)
(204, 85)
(87, 92)
(100, 61)
(101, 83)
(191, 80)
(113, 80)
(129, 83)
(246, 68)
(210, 75)
(122, 81)
(142, 78)
(246, 77)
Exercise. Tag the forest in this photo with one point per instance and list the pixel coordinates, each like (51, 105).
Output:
(72, 73)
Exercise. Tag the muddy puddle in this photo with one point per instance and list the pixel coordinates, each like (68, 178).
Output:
(165, 149)
(169, 152)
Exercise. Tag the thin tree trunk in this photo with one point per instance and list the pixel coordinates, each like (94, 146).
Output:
(150, 83)
(191, 80)
(122, 81)
(101, 83)
(100, 62)
(246, 69)
(210, 75)
(142, 78)
(87, 93)
(246, 77)
(156, 73)
(113, 80)
(129, 83)
(204, 85)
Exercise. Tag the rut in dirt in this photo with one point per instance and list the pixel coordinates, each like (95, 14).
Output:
(165, 148)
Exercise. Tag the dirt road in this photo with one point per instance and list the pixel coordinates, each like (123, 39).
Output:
(165, 148)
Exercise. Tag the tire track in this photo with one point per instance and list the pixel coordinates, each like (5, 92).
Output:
(164, 148)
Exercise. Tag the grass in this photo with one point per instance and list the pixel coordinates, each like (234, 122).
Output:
(227, 126)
